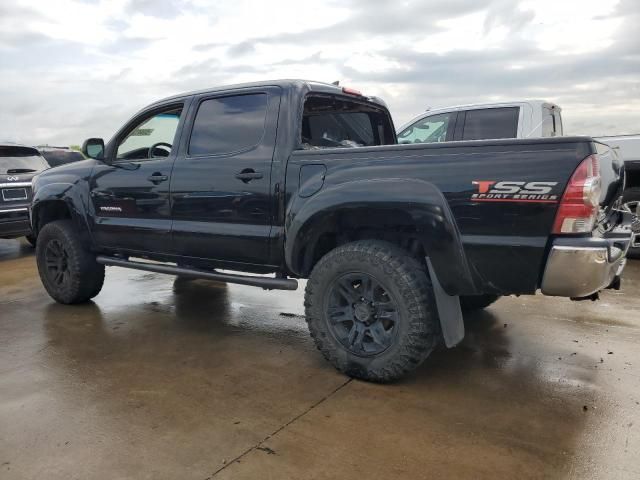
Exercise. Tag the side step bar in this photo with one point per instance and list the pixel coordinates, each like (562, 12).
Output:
(268, 283)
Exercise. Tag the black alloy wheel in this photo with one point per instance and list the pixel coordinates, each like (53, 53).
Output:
(57, 263)
(371, 310)
(67, 268)
(362, 314)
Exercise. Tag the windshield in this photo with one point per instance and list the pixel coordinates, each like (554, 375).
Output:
(21, 160)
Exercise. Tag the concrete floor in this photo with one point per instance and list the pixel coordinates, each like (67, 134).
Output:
(163, 379)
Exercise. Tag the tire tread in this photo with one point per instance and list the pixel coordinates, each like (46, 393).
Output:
(87, 276)
(411, 278)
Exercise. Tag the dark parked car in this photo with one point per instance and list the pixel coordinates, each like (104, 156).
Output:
(56, 156)
(18, 165)
(305, 180)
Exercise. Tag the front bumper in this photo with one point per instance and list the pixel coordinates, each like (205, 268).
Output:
(14, 222)
(579, 267)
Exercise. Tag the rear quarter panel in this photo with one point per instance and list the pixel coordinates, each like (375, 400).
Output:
(504, 242)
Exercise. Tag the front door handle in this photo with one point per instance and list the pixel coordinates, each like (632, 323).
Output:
(157, 178)
(248, 174)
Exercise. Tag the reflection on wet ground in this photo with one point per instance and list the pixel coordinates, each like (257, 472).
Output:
(168, 378)
(10, 249)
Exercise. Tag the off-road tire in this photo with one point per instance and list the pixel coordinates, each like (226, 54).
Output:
(85, 276)
(469, 303)
(633, 195)
(406, 279)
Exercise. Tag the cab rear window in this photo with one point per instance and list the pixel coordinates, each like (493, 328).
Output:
(336, 122)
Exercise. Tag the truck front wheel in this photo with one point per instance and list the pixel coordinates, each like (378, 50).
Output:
(69, 272)
(371, 311)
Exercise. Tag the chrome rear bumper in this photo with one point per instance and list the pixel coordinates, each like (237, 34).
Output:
(579, 267)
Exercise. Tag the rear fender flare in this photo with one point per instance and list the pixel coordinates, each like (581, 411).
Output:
(409, 202)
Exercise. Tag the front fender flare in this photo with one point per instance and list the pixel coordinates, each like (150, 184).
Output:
(74, 198)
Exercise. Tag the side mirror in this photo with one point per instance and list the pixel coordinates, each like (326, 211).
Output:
(93, 148)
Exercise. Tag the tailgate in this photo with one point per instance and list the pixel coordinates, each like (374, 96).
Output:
(506, 214)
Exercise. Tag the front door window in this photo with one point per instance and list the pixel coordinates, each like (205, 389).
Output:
(151, 138)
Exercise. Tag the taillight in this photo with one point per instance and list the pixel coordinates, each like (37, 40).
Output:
(578, 208)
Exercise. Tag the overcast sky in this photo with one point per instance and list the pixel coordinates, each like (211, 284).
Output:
(74, 69)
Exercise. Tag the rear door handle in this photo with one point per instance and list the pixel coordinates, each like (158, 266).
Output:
(157, 178)
(248, 174)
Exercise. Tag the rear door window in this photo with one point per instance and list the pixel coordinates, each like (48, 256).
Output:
(490, 123)
(228, 124)
(431, 129)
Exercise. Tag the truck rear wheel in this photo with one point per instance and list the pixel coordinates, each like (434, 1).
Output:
(477, 302)
(68, 271)
(371, 311)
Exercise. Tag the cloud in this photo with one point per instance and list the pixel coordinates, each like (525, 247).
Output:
(12, 26)
(124, 45)
(73, 69)
(242, 48)
(153, 8)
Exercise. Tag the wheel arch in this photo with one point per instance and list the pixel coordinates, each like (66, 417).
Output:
(58, 202)
(411, 213)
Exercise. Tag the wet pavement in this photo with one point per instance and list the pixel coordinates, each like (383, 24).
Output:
(168, 379)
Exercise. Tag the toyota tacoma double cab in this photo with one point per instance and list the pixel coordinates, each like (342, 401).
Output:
(262, 184)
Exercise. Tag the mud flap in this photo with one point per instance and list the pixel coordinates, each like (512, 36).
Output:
(449, 311)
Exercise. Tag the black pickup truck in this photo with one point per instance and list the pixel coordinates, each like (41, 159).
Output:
(305, 180)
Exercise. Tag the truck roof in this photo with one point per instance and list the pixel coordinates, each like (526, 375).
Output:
(533, 102)
(286, 84)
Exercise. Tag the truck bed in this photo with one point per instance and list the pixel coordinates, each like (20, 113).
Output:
(504, 239)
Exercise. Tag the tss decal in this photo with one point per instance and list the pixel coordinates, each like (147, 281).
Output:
(508, 191)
